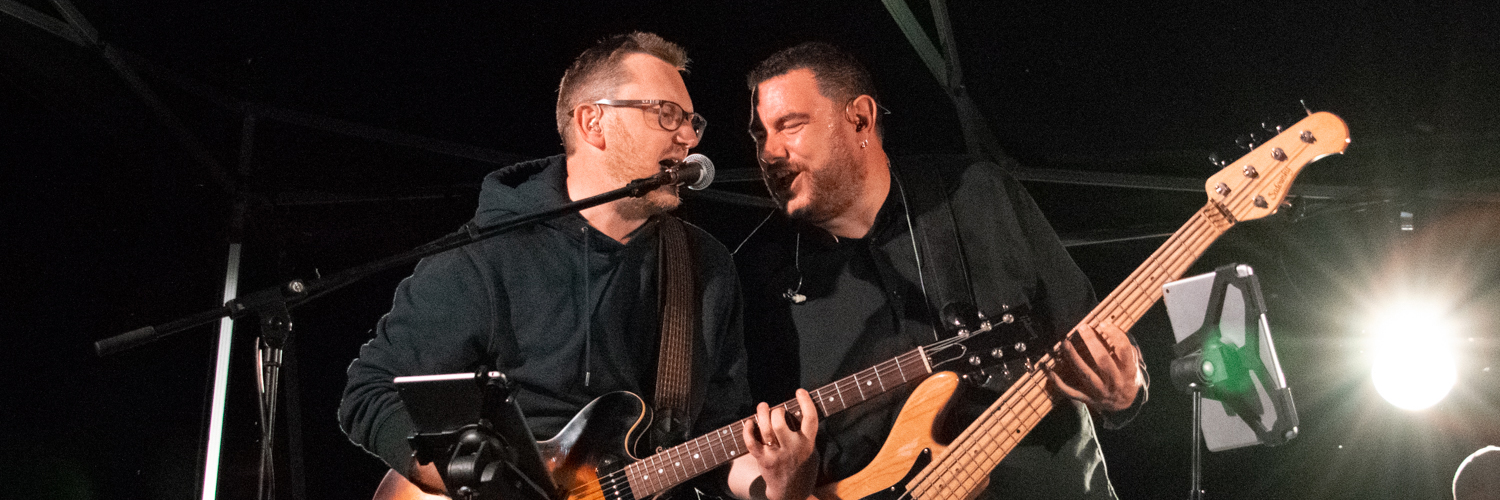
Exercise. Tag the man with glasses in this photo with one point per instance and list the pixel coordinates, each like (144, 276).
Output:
(568, 308)
(874, 249)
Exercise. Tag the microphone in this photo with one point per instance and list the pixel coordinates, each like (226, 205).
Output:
(696, 171)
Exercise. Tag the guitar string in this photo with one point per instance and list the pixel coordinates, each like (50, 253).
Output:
(1034, 401)
(1230, 201)
(1170, 260)
(1009, 401)
(1236, 201)
(1033, 379)
(924, 481)
(1236, 198)
(1132, 301)
(966, 438)
(620, 477)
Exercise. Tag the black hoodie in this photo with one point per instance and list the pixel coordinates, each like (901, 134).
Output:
(565, 311)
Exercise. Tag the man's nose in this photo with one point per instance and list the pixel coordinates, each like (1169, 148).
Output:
(772, 150)
(686, 135)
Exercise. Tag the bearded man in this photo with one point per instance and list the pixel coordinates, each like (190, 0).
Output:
(874, 248)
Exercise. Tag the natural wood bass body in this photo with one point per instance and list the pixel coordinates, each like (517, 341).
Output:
(1250, 188)
(911, 446)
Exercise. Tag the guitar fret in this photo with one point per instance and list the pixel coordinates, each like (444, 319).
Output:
(899, 374)
(726, 451)
(668, 466)
(657, 473)
(700, 454)
(981, 438)
(664, 470)
(818, 398)
(1006, 422)
(891, 376)
(708, 452)
(656, 479)
(694, 454)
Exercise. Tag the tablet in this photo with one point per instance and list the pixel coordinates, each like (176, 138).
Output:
(1226, 307)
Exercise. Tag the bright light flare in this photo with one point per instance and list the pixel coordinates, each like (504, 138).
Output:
(1414, 364)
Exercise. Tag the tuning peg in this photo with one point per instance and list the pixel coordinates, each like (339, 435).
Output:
(961, 316)
(1213, 159)
(1247, 141)
(1271, 127)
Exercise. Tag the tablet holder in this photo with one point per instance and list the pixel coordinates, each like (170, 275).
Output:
(469, 426)
(1224, 353)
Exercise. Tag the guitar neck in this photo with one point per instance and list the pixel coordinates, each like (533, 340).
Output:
(960, 472)
(673, 466)
(1128, 302)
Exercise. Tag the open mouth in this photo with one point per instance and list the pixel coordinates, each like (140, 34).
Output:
(781, 179)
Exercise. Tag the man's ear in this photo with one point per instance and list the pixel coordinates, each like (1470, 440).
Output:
(586, 121)
(862, 112)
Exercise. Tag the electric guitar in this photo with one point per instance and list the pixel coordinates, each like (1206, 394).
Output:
(590, 459)
(913, 465)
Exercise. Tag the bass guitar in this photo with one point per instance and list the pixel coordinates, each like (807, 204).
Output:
(590, 459)
(913, 465)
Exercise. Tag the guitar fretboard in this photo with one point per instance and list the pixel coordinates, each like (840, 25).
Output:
(675, 465)
(975, 452)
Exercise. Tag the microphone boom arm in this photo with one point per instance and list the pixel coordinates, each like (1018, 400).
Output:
(295, 292)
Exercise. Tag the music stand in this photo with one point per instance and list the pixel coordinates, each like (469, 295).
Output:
(470, 427)
(1224, 353)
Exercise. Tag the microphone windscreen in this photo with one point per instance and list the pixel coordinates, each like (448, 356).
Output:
(705, 170)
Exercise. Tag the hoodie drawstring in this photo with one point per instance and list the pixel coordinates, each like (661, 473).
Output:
(588, 312)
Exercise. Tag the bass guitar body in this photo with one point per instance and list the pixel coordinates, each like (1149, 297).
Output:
(912, 445)
(1250, 188)
(595, 444)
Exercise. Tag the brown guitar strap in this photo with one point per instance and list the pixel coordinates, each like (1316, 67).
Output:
(678, 287)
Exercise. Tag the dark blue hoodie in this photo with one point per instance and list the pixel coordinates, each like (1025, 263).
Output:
(565, 311)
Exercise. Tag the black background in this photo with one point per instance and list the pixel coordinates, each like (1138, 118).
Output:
(111, 219)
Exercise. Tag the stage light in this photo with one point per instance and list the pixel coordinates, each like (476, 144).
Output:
(1414, 365)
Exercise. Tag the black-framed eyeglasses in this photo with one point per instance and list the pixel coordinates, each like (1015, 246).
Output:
(669, 114)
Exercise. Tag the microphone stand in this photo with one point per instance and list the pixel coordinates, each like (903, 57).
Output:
(273, 305)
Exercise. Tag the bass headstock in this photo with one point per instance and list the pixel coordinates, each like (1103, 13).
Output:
(979, 343)
(1255, 185)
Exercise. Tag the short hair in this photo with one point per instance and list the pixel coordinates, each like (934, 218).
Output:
(841, 78)
(598, 71)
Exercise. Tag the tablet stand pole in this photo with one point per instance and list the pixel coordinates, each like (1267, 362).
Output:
(1187, 377)
(490, 455)
(1197, 492)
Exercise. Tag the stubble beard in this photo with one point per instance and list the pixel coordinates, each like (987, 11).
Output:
(833, 189)
(626, 163)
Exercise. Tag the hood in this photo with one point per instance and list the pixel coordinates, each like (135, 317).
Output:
(524, 188)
